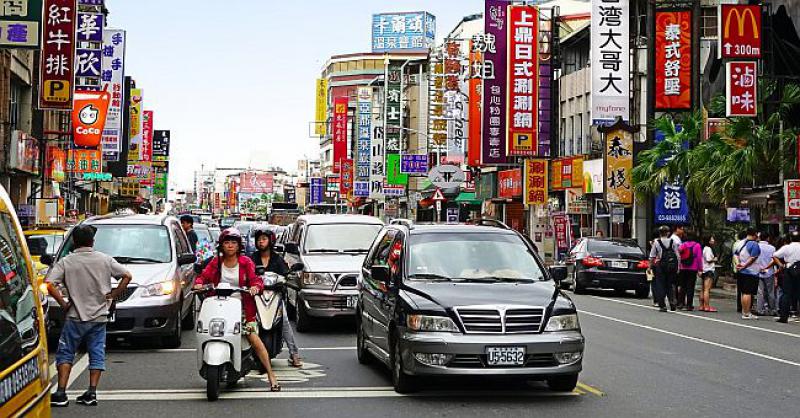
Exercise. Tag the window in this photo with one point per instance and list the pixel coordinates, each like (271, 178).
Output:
(605, 248)
(142, 243)
(181, 242)
(16, 94)
(40, 245)
(340, 237)
(381, 256)
(708, 22)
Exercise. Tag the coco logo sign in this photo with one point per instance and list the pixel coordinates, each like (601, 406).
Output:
(89, 117)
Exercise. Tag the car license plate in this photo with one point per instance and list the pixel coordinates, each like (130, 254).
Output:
(351, 301)
(505, 356)
(619, 264)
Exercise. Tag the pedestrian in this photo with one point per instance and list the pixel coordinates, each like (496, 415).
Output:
(708, 274)
(678, 235)
(664, 259)
(766, 304)
(748, 271)
(690, 266)
(86, 275)
(600, 234)
(187, 223)
(737, 245)
(788, 258)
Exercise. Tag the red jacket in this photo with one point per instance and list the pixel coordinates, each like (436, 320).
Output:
(247, 278)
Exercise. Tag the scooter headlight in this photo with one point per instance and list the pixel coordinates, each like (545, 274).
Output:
(216, 328)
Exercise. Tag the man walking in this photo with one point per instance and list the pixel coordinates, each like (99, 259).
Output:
(766, 304)
(748, 271)
(85, 274)
(664, 259)
(788, 257)
(187, 223)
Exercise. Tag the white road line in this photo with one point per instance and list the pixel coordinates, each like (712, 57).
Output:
(187, 350)
(77, 369)
(690, 338)
(705, 318)
(325, 348)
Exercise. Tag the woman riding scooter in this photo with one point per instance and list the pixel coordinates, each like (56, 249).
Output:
(265, 256)
(239, 271)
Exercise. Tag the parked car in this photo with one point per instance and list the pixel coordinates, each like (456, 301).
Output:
(203, 233)
(331, 249)
(608, 263)
(214, 231)
(154, 248)
(43, 241)
(465, 300)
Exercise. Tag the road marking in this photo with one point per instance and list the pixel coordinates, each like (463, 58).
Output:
(326, 348)
(164, 350)
(687, 337)
(77, 369)
(583, 387)
(705, 318)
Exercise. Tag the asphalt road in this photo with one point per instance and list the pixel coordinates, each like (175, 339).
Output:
(639, 362)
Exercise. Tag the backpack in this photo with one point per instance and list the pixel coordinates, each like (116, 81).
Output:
(669, 260)
(687, 254)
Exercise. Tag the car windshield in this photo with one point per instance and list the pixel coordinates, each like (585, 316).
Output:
(472, 256)
(341, 237)
(607, 248)
(244, 229)
(203, 234)
(130, 243)
(214, 234)
(40, 245)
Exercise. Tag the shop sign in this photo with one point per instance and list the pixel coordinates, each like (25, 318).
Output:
(161, 180)
(20, 22)
(339, 132)
(88, 55)
(714, 126)
(741, 89)
(256, 183)
(317, 191)
(452, 215)
(320, 127)
(509, 183)
(456, 127)
(535, 182)
(486, 187)
(394, 176)
(147, 136)
(81, 161)
(673, 70)
(361, 189)
(447, 176)
(346, 176)
(672, 205)
(617, 215)
(475, 84)
(376, 170)
(393, 191)
(791, 195)
(438, 122)
(89, 117)
(56, 163)
(414, 164)
(576, 202)
(523, 80)
(135, 129)
(112, 78)
(364, 133)
(24, 155)
(545, 84)
(141, 171)
(566, 173)
(394, 108)
(619, 164)
(610, 38)
(161, 140)
(332, 184)
(407, 32)
(562, 231)
(97, 177)
(493, 146)
(740, 31)
(593, 179)
(56, 68)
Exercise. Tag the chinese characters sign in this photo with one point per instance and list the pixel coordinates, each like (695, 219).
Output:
(619, 164)
(81, 161)
(740, 31)
(317, 191)
(791, 190)
(364, 133)
(672, 205)
(58, 48)
(610, 41)
(339, 132)
(414, 164)
(394, 108)
(135, 127)
(19, 23)
(523, 80)
(493, 147)
(673, 69)
(88, 56)
(361, 189)
(475, 84)
(403, 32)
(346, 175)
(147, 136)
(56, 163)
(111, 77)
(320, 127)
(741, 88)
(393, 174)
(535, 182)
(256, 183)
(456, 127)
(566, 173)
(89, 117)
(161, 145)
(509, 183)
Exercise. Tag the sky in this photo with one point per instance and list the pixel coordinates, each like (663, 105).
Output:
(234, 80)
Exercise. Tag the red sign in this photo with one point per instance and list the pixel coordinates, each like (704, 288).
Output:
(81, 161)
(535, 182)
(257, 183)
(89, 117)
(741, 89)
(346, 174)
(673, 60)
(56, 163)
(475, 100)
(791, 190)
(56, 67)
(562, 229)
(147, 135)
(523, 80)
(509, 183)
(740, 35)
(339, 131)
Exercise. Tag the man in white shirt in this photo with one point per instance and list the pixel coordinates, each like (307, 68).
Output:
(788, 257)
(765, 300)
(679, 235)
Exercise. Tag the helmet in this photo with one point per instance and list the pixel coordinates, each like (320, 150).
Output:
(230, 234)
(260, 231)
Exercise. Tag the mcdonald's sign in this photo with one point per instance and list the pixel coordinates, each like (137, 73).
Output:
(740, 31)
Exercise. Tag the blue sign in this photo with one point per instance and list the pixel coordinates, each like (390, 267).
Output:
(672, 205)
(659, 136)
(364, 150)
(414, 164)
(403, 32)
(361, 189)
(317, 191)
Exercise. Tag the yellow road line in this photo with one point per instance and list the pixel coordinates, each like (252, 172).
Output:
(586, 388)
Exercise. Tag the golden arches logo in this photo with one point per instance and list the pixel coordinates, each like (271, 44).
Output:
(740, 19)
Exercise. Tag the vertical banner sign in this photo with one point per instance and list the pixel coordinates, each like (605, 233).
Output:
(147, 136)
(88, 55)
(135, 125)
(438, 126)
(535, 182)
(672, 205)
(346, 176)
(673, 60)
(377, 163)
(394, 109)
(456, 127)
(740, 31)
(112, 77)
(320, 127)
(364, 133)
(317, 191)
(545, 84)
(494, 81)
(610, 43)
(561, 225)
(339, 132)
(58, 49)
(20, 23)
(89, 117)
(523, 81)
(161, 140)
(619, 164)
(477, 46)
(741, 89)
(791, 195)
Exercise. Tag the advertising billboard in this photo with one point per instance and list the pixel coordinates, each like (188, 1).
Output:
(673, 53)
(56, 67)
(741, 88)
(493, 146)
(523, 81)
(406, 32)
(610, 40)
(112, 80)
(740, 31)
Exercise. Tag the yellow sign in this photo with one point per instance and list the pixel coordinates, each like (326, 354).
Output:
(57, 91)
(320, 127)
(535, 182)
(619, 165)
(135, 144)
(555, 174)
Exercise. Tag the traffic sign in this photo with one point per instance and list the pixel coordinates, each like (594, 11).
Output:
(447, 176)
(438, 196)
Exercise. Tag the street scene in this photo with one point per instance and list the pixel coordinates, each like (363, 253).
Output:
(399, 208)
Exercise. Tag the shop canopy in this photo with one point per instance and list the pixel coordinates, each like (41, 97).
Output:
(468, 198)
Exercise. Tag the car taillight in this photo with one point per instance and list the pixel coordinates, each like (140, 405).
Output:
(592, 262)
(643, 265)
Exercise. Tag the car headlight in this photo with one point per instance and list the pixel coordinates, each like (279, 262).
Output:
(317, 280)
(563, 323)
(164, 288)
(427, 323)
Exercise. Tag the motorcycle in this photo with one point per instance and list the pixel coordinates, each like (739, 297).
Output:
(270, 312)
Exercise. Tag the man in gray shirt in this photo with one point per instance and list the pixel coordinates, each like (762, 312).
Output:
(86, 274)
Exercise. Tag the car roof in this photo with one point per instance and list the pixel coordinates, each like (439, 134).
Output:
(338, 219)
(422, 228)
(200, 226)
(128, 220)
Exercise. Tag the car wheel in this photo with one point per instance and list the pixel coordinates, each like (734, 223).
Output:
(643, 292)
(563, 383)
(212, 382)
(174, 340)
(303, 319)
(361, 342)
(188, 320)
(402, 382)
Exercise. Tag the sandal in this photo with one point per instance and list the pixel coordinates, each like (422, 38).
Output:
(711, 309)
(295, 362)
(275, 387)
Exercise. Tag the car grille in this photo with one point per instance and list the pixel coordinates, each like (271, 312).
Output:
(478, 361)
(494, 320)
(126, 294)
(348, 280)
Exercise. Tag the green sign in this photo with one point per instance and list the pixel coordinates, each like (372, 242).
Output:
(20, 23)
(393, 175)
(97, 177)
(160, 186)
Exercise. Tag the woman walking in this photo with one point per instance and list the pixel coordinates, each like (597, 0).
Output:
(708, 274)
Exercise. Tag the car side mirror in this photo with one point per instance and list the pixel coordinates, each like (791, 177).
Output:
(185, 259)
(558, 273)
(47, 260)
(297, 267)
(291, 248)
(380, 273)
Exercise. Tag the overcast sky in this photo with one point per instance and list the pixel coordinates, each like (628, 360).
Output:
(234, 79)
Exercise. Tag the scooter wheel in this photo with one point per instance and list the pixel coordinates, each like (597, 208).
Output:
(213, 377)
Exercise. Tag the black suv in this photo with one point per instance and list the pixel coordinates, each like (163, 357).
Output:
(465, 300)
